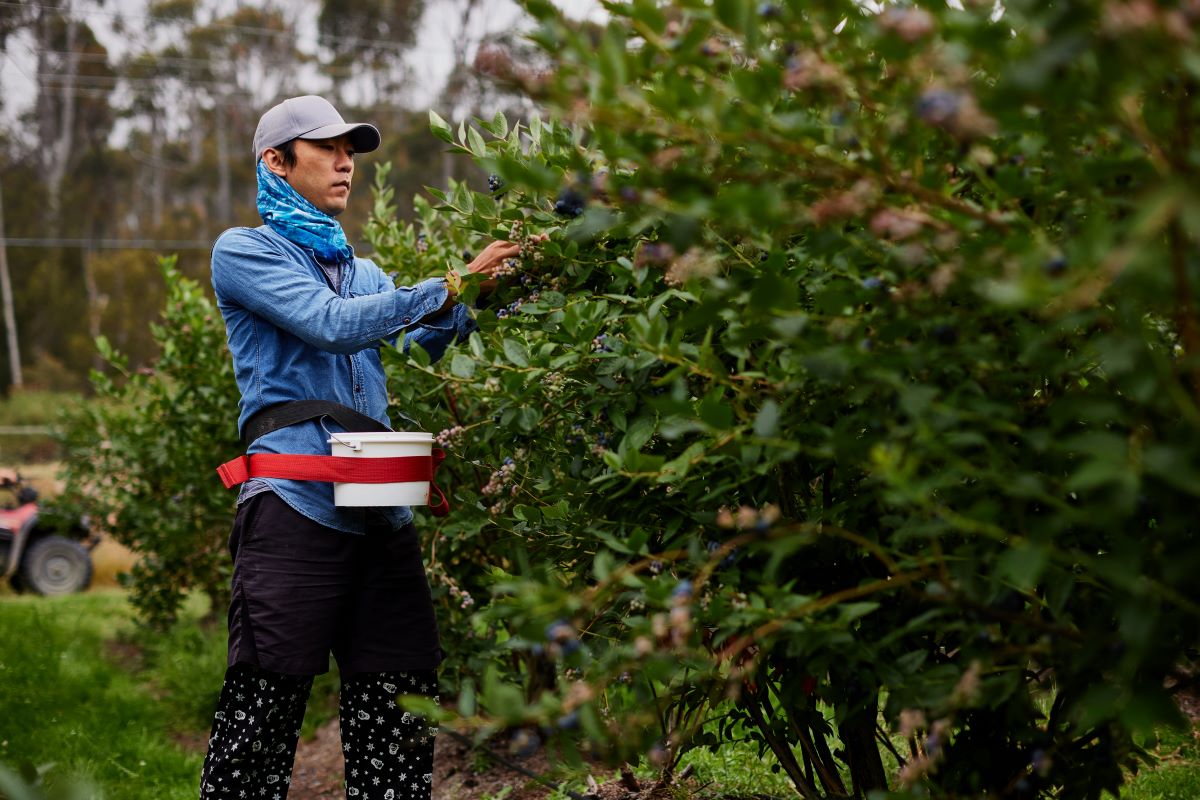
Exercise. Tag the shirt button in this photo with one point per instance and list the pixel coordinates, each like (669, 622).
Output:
(407, 320)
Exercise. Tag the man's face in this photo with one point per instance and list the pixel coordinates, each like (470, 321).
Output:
(322, 172)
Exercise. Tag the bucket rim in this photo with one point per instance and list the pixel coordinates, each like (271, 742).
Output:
(381, 436)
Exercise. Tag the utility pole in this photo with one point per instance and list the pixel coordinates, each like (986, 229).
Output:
(6, 298)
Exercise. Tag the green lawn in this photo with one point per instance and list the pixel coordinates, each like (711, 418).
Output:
(69, 711)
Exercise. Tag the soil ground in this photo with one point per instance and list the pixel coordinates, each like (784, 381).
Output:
(458, 772)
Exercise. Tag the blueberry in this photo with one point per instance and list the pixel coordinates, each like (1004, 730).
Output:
(569, 204)
(629, 194)
(684, 589)
(467, 256)
(495, 183)
(872, 284)
(768, 11)
(525, 743)
(1056, 266)
(945, 334)
(938, 106)
(568, 722)
(1009, 602)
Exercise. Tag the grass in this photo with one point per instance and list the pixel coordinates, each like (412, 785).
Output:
(1177, 774)
(86, 695)
(74, 714)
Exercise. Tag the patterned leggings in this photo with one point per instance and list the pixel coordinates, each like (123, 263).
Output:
(388, 752)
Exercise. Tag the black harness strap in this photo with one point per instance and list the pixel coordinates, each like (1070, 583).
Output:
(281, 415)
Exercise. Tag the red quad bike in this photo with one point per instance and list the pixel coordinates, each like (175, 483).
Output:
(33, 556)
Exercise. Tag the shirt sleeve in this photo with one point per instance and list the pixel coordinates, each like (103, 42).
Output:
(434, 332)
(250, 270)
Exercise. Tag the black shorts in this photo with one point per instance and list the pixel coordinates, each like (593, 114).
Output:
(302, 591)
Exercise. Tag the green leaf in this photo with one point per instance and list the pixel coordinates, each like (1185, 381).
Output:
(516, 352)
(766, 423)
(527, 513)
(478, 147)
(462, 366)
(440, 128)
(638, 433)
(1023, 565)
(715, 410)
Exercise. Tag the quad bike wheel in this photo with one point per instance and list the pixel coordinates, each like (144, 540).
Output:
(56, 565)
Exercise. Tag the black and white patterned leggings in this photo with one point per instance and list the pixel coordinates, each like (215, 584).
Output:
(388, 751)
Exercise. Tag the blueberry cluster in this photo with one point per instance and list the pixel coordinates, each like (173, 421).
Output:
(576, 434)
(599, 345)
(495, 183)
(508, 268)
(569, 203)
(510, 309)
(463, 597)
(500, 478)
(449, 437)
(524, 743)
(729, 558)
(561, 639)
(748, 517)
(938, 106)
(422, 243)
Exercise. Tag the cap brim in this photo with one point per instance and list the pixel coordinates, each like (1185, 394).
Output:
(364, 136)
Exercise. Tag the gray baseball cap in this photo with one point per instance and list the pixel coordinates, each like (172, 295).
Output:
(310, 117)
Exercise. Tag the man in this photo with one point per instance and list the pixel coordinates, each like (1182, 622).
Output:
(305, 320)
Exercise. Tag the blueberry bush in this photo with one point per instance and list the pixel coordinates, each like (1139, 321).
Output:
(850, 408)
(141, 454)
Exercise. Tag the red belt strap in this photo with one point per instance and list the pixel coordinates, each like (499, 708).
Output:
(339, 469)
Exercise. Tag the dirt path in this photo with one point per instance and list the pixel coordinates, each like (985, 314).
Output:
(458, 773)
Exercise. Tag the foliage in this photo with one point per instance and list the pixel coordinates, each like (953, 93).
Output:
(140, 457)
(75, 724)
(858, 377)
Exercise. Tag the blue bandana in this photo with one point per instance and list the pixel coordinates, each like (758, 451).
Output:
(294, 218)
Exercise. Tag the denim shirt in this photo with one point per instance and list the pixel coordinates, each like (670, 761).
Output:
(294, 338)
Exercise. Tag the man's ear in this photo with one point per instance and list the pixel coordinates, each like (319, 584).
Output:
(274, 161)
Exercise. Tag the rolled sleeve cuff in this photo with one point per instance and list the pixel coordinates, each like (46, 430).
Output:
(431, 295)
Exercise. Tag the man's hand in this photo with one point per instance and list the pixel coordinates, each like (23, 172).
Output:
(487, 262)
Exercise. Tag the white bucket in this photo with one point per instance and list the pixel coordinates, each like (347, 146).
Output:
(381, 445)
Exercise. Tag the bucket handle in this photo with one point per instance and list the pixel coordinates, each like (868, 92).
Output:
(355, 444)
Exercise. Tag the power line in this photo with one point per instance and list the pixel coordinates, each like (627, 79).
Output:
(290, 34)
(108, 244)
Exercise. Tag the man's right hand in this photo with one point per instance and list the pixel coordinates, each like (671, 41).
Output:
(487, 262)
